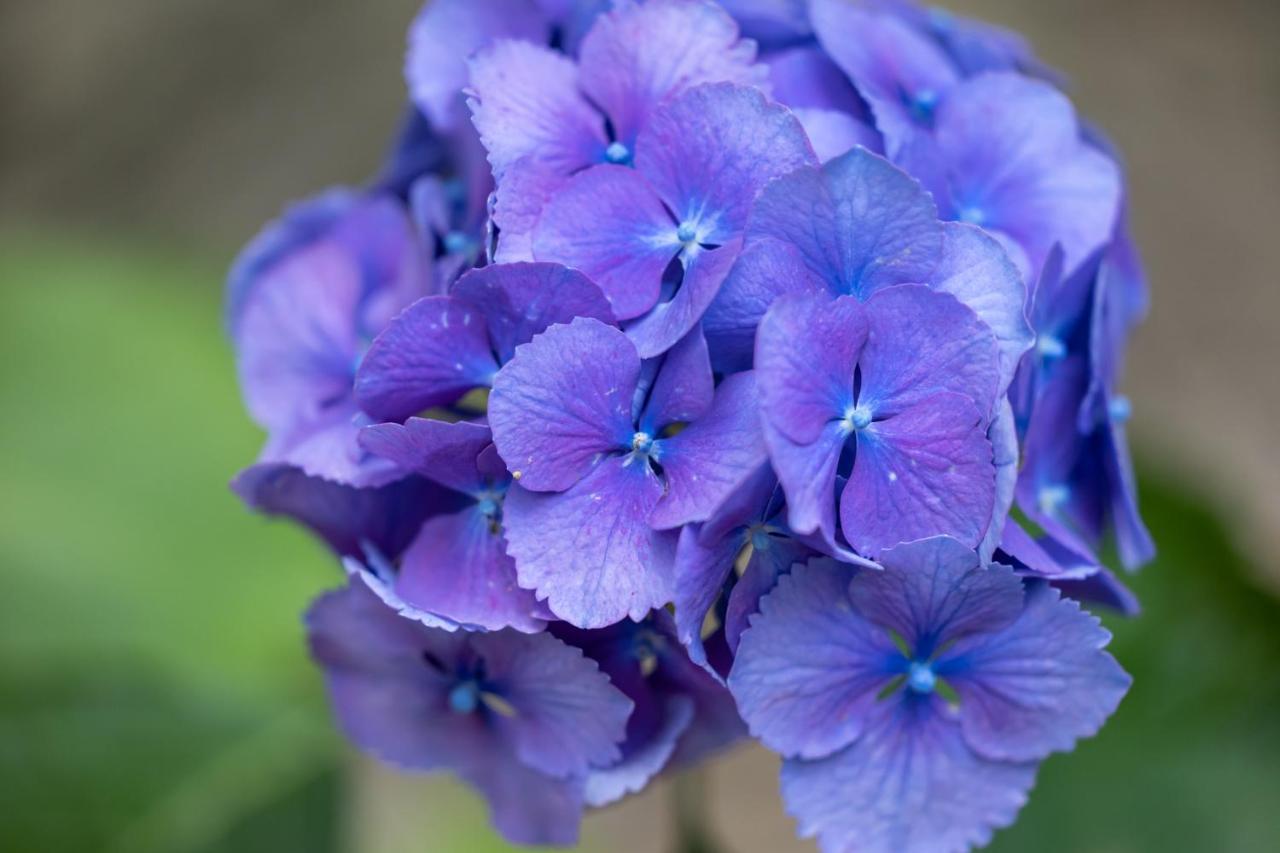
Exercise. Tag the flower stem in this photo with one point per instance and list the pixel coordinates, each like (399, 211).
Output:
(692, 824)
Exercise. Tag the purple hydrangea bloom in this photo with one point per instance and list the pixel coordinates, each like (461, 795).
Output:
(912, 704)
(588, 431)
(524, 718)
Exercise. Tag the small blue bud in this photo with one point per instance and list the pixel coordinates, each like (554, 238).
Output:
(456, 242)
(617, 153)
(920, 677)
(464, 698)
(686, 233)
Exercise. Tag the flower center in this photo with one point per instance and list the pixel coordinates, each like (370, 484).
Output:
(456, 242)
(1050, 347)
(923, 104)
(464, 698)
(642, 443)
(759, 538)
(1051, 498)
(857, 419)
(920, 677)
(617, 153)
(687, 232)
(972, 215)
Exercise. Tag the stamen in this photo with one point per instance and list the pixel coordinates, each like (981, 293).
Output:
(857, 419)
(687, 232)
(464, 698)
(617, 153)
(920, 677)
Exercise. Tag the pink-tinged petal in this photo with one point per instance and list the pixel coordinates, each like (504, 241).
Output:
(832, 133)
(432, 354)
(1040, 684)
(860, 223)
(445, 453)
(711, 458)
(923, 472)
(668, 322)
(808, 672)
(683, 386)
(807, 473)
(910, 784)
(639, 55)
(709, 152)
(568, 717)
(609, 223)
(525, 103)
(562, 402)
(445, 35)
(806, 352)
(589, 551)
(521, 300)
(1018, 164)
(921, 343)
(458, 568)
(766, 269)
(977, 271)
(934, 592)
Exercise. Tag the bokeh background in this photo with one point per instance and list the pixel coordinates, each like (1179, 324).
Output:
(154, 692)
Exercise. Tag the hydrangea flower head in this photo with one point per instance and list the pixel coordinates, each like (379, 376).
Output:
(699, 368)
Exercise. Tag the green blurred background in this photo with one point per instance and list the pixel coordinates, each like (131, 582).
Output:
(154, 690)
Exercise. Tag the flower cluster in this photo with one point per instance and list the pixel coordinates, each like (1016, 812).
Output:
(700, 369)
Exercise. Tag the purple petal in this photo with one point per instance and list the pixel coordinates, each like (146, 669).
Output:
(525, 102)
(562, 401)
(568, 717)
(1003, 435)
(1133, 540)
(608, 785)
(925, 471)
(934, 592)
(458, 567)
(328, 447)
(975, 270)
(807, 473)
(529, 807)
(770, 20)
(668, 322)
(387, 517)
(432, 354)
(766, 269)
(683, 388)
(910, 784)
(834, 133)
(1017, 163)
(859, 223)
(445, 34)
(712, 457)
(900, 72)
(1102, 588)
(701, 569)
(443, 452)
(805, 77)
(768, 562)
(806, 351)
(921, 343)
(807, 674)
(521, 300)
(590, 552)
(709, 152)
(1037, 686)
(639, 55)
(609, 223)
(379, 577)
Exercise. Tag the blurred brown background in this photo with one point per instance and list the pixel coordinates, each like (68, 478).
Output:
(185, 124)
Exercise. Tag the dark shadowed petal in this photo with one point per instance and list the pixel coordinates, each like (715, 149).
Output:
(1040, 684)
(710, 151)
(1102, 588)
(609, 223)
(683, 387)
(445, 35)
(567, 716)
(900, 71)
(379, 577)
(701, 570)
(668, 322)
(432, 354)
(921, 343)
(1003, 435)
(924, 472)
(709, 460)
(766, 269)
(525, 103)
(638, 55)
(564, 400)
(610, 784)
(590, 552)
(934, 592)
(443, 452)
(808, 669)
(458, 567)
(770, 21)
(1133, 540)
(910, 784)
(860, 223)
(975, 270)
(806, 351)
(769, 561)
(529, 807)
(521, 300)
(1018, 165)
(344, 517)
